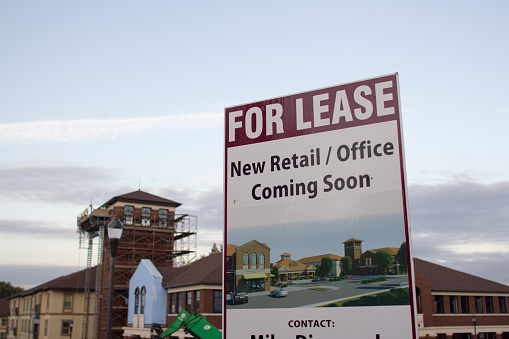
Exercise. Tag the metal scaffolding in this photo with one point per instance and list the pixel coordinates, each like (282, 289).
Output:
(91, 224)
(185, 239)
(165, 242)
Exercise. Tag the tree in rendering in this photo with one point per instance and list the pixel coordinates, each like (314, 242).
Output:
(402, 258)
(383, 261)
(346, 265)
(275, 273)
(325, 266)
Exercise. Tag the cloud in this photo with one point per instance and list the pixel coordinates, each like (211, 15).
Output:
(97, 129)
(54, 184)
(206, 204)
(28, 276)
(35, 229)
(462, 225)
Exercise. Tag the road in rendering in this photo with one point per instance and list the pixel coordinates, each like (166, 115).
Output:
(313, 294)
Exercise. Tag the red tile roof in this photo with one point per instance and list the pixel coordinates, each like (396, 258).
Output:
(352, 239)
(208, 270)
(445, 279)
(391, 250)
(318, 258)
(142, 197)
(291, 265)
(230, 249)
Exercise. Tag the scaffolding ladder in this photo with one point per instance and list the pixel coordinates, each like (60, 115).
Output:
(86, 306)
(98, 280)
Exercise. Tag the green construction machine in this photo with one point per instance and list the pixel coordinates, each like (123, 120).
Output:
(195, 324)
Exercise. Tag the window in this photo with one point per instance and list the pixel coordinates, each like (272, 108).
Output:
(441, 336)
(179, 302)
(142, 301)
(136, 300)
(418, 297)
(218, 301)
(67, 302)
(163, 218)
(196, 301)
(48, 296)
(465, 307)
(128, 214)
(253, 259)
(439, 304)
(145, 216)
(453, 304)
(489, 304)
(66, 328)
(245, 259)
(189, 303)
(45, 327)
(462, 336)
(262, 260)
(501, 305)
(478, 305)
(173, 303)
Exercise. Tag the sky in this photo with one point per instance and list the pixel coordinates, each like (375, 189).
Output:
(101, 99)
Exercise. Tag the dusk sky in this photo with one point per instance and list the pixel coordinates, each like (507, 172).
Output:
(100, 99)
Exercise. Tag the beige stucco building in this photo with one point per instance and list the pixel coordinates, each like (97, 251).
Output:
(56, 305)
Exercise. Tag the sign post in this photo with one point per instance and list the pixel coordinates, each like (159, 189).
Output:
(316, 219)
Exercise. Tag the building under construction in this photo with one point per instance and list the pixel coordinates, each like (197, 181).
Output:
(152, 230)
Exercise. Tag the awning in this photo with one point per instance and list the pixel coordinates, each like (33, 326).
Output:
(255, 276)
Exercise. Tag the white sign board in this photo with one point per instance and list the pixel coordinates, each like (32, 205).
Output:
(316, 227)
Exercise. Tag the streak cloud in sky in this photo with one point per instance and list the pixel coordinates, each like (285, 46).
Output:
(95, 129)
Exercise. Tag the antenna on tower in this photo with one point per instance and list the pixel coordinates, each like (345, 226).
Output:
(139, 184)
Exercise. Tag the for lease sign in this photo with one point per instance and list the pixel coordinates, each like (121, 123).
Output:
(316, 227)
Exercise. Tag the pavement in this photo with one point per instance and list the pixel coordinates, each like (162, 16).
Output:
(306, 293)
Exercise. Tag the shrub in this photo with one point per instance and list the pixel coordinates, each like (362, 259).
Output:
(396, 296)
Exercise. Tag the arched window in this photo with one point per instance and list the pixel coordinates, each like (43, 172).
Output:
(246, 259)
(262, 260)
(253, 259)
(136, 300)
(142, 303)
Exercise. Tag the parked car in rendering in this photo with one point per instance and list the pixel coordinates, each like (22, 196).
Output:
(291, 282)
(278, 293)
(315, 280)
(239, 297)
(324, 279)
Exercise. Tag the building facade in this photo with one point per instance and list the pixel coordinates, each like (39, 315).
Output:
(290, 269)
(364, 263)
(157, 295)
(367, 262)
(150, 232)
(317, 259)
(53, 310)
(353, 249)
(456, 305)
(248, 267)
